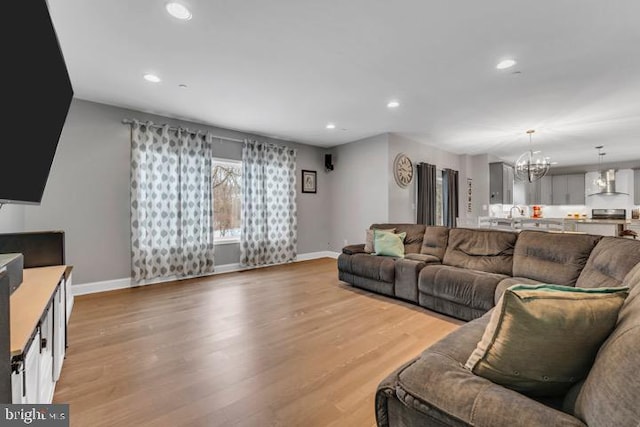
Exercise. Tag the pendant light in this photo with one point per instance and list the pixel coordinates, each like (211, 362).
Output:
(531, 166)
(600, 181)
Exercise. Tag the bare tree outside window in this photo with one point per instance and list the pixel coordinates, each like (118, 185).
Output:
(227, 196)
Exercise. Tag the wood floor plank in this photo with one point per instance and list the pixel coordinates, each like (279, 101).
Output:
(288, 345)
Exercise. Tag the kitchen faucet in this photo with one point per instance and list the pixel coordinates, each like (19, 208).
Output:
(518, 208)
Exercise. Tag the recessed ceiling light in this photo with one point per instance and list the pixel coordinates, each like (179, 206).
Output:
(393, 104)
(179, 11)
(331, 126)
(507, 63)
(152, 78)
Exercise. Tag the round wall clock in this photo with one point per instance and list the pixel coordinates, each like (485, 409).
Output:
(402, 170)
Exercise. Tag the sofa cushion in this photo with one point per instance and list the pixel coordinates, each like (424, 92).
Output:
(552, 257)
(406, 279)
(388, 244)
(413, 240)
(435, 388)
(609, 262)
(484, 250)
(353, 249)
(509, 282)
(609, 394)
(427, 259)
(542, 339)
(372, 267)
(474, 289)
(435, 241)
(368, 245)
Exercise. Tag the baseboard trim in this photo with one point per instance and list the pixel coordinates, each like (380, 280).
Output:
(127, 282)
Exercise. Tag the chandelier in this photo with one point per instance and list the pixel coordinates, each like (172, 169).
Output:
(532, 165)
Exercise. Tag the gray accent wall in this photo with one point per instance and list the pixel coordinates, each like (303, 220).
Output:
(402, 201)
(358, 189)
(87, 194)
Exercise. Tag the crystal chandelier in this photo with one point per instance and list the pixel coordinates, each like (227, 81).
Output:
(532, 165)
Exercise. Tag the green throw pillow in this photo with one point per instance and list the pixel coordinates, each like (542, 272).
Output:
(542, 339)
(389, 244)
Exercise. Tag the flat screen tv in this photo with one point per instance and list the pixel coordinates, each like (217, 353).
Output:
(36, 97)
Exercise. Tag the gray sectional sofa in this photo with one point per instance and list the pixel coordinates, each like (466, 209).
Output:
(463, 273)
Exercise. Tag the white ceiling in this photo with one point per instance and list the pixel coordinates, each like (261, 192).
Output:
(286, 68)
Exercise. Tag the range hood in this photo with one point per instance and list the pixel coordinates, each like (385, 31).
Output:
(607, 184)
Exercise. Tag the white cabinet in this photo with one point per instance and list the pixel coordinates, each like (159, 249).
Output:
(68, 292)
(17, 380)
(31, 373)
(37, 367)
(59, 328)
(45, 370)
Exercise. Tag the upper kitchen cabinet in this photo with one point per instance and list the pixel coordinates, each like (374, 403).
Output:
(538, 192)
(501, 183)
(568, 189)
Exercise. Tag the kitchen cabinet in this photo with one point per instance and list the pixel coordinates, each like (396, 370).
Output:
(538, 192)
(567, 189)
(636, 187)
(38, 334)
(501, 178)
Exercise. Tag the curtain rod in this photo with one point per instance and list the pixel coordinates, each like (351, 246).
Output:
(130, 121)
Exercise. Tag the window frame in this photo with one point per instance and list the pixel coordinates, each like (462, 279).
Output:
(224, 240)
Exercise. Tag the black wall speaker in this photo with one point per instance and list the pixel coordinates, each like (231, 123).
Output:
(327, 162)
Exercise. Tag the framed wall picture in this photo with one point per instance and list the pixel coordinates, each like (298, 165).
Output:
(309, 181)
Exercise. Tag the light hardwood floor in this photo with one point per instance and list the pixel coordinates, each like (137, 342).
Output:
(285, 346)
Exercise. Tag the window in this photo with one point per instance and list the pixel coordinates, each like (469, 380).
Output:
(227, 199)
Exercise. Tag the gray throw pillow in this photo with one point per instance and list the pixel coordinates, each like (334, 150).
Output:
(368, 245)
(542, 339)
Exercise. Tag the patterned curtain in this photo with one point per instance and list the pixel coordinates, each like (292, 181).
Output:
(171, 202)
(269, 214)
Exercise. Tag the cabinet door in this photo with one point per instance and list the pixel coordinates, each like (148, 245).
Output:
(533, 193)
(17, 379)
(559, 193)
(545, 191)
(575, 189)
(45, 377)
(495, 183)
(507, 184)
(59, 327)
(68, 293)
(31, 392)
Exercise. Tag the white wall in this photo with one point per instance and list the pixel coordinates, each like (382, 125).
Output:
(359, 184)
(87, 194)
(12, 218)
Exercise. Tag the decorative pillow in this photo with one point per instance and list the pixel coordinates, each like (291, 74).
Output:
(368, 245)
(541, 339)
(389, 244)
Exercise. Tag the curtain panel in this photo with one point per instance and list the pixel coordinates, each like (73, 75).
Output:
(269, 211)
(426, 194)
(450, 197)
(171, 202)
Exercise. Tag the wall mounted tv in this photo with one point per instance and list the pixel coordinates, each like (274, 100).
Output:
(36, 97)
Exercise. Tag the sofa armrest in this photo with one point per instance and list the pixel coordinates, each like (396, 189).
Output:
(354, 249)
(439, 388)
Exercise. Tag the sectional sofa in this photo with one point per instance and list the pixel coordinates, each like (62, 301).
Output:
(463, 273)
